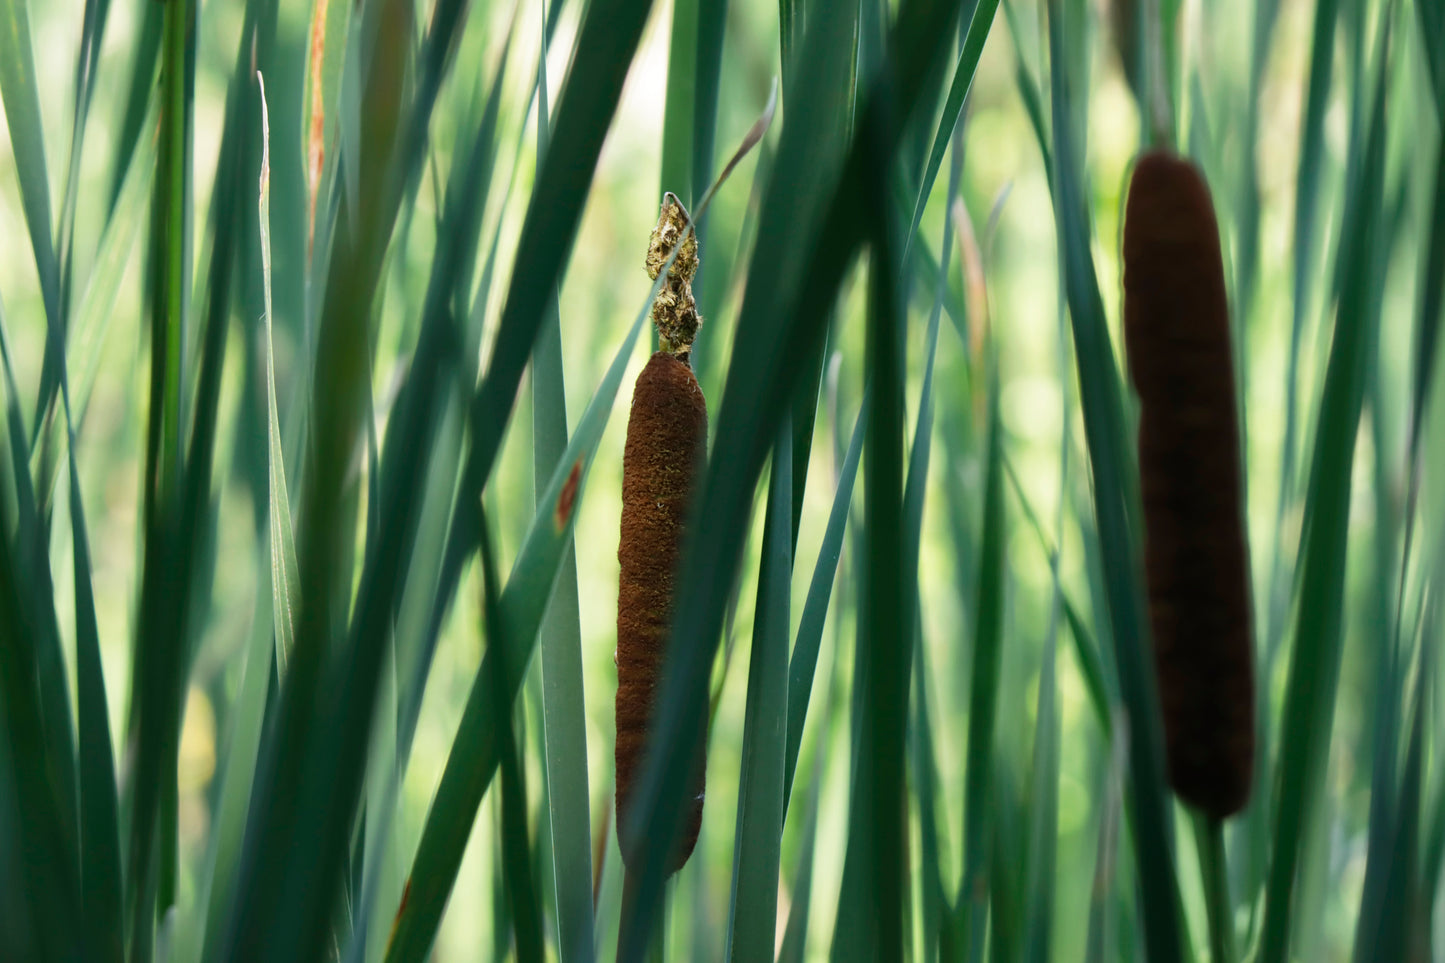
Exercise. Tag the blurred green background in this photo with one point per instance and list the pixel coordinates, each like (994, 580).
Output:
(1239, 103)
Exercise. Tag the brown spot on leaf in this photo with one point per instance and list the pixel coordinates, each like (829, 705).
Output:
(567, 500)
(405, 893)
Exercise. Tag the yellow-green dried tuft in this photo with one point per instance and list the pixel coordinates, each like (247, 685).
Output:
(674, 311)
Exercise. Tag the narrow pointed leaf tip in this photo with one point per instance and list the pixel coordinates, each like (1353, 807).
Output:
(750, 140)
(285, 577)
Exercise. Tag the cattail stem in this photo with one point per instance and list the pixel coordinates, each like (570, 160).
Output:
(658, 953)
(1214, 874)
(657, 940)
(1176, 330)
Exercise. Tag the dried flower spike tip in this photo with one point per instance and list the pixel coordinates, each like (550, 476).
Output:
(674, 311)
(1176, 331)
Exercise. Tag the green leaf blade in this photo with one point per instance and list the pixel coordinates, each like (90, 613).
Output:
(752, 917)
(1315, 665)
(564, 727)
(804, 662)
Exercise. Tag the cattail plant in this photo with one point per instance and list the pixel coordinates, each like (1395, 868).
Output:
(1176, 330)
(666, 444)
(249, 452)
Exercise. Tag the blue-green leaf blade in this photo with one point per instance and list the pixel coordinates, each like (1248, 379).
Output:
(978, 31)
(564, 729)
(804, 662)
(99, 807)
(19, 84)
(1315, 664)
(752, 916)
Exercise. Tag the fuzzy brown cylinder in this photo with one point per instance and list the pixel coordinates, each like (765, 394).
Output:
(1176, 332)
(666, 443)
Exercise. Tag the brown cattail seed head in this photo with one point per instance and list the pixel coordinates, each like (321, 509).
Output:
(666, 442)
(1176, 331)
(674, 311)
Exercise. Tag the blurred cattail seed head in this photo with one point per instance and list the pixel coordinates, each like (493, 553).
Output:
(1176, 331)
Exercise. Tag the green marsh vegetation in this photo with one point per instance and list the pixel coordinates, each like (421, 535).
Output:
(311, 467)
